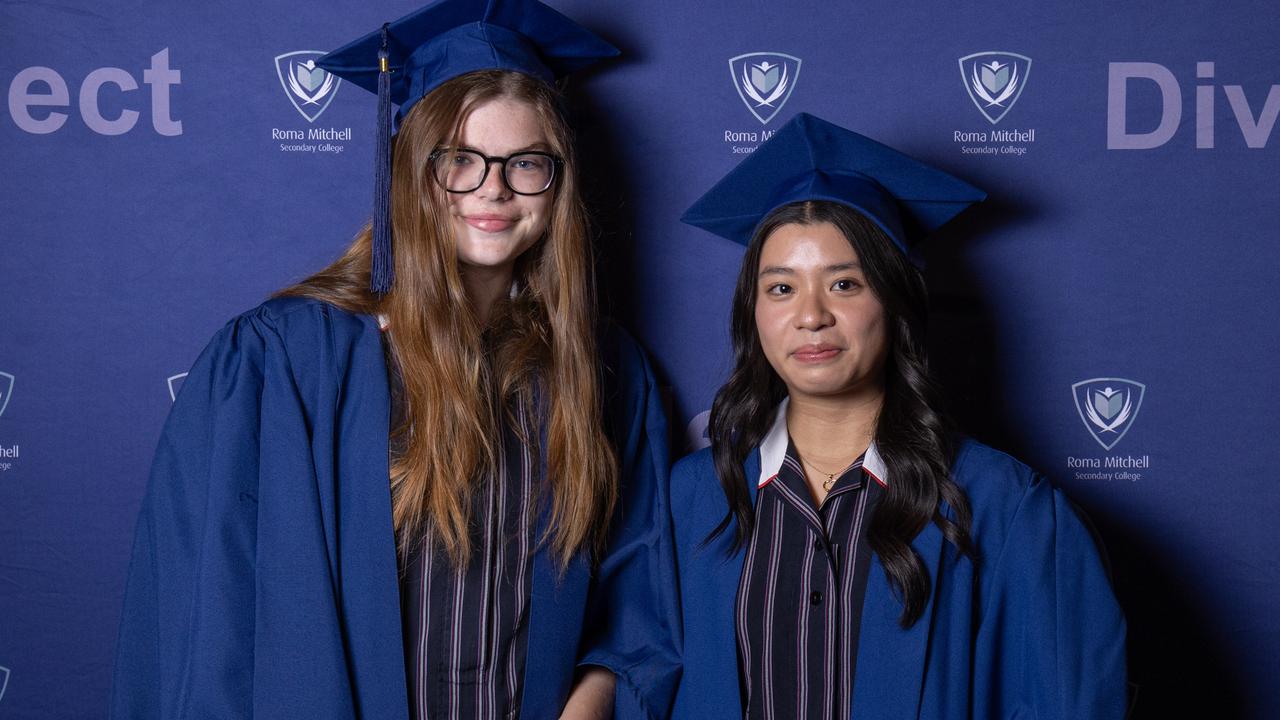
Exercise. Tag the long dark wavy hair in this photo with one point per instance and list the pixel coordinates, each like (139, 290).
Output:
(912, 433)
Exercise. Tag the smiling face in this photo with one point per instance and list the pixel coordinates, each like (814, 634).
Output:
(820, 325)
(492, 225)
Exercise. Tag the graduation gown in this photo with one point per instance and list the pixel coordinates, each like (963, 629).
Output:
(264, 584)
(1032, 630)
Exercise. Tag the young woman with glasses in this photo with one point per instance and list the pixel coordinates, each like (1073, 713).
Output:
(400, 504)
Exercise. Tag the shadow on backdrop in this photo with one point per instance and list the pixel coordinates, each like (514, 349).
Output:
(1176, 668)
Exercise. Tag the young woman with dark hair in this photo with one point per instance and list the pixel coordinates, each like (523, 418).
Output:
(900, 403)
(421, 483)
(841, 552)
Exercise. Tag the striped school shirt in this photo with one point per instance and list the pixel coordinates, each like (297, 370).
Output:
(466, 629)
(799, 604)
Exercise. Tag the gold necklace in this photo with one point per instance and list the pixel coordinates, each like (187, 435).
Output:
(831, 477)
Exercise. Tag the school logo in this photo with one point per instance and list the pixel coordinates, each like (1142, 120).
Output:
(1108, 407)
(308, 87)
(994, 81)
(695, 436)
(175, 384)
(4, 681)
(764, 81)
(6, 389)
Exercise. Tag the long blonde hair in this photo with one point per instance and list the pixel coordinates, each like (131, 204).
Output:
(455, 383)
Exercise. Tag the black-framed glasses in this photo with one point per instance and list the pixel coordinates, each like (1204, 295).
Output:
(463, 170)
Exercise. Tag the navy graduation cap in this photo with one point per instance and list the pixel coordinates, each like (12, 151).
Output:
(405, 60)
(812, 159)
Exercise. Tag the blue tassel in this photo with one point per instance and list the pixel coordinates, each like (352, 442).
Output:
(383, 270)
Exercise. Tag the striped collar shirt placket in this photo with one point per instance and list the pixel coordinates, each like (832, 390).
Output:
(797, 622)
(466, 628)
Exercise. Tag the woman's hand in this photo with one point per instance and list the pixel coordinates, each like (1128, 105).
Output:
(592, 695)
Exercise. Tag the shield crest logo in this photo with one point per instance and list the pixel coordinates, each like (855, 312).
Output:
(310, 88)
(175, 385)
(6, 390)
(1108, 407)
(994, 81)
(696, 434)
(764, 81)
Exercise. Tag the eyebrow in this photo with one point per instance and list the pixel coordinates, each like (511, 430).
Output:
(539, 146)
(783, 270)
(843, 267)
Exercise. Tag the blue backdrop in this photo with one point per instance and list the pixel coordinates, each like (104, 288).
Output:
(1108, 315)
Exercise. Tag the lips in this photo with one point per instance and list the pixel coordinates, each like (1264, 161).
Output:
(490, 223)
(815, 353)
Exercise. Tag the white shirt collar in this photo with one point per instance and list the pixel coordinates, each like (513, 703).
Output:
(773, 449)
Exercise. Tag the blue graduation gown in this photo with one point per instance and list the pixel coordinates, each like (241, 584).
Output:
(264, 579)
(1033, 630)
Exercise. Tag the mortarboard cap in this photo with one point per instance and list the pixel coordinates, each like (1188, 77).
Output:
(812, 159)
(407, 59)
(452, 37)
